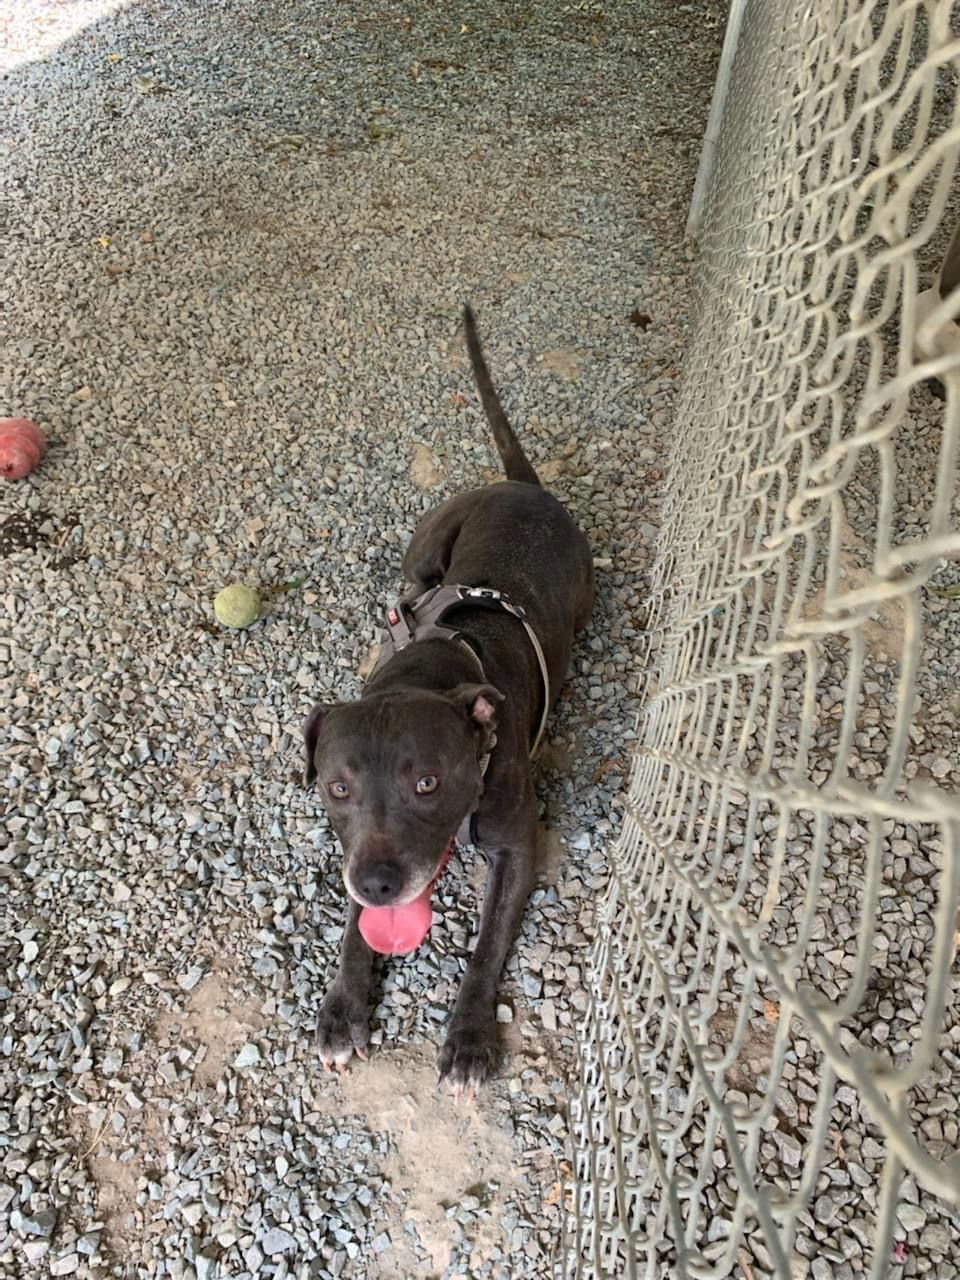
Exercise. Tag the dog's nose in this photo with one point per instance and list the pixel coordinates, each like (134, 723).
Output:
(379, 882)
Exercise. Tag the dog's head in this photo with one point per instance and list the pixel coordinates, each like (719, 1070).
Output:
(398, 773)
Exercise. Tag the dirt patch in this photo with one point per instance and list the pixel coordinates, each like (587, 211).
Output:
(214, 1023)
(443, 1151)
(21, 532)
(565, 361)
(755, 1055)
(116, 1180)
(550, 854)
(559, 755)
(883, 631)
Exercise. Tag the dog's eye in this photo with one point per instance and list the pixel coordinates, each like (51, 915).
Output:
(339, 790)
(426, 784)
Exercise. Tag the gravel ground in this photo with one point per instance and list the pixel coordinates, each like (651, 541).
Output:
(236, 238)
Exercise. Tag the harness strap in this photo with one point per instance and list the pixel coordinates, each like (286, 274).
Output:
(409, 621)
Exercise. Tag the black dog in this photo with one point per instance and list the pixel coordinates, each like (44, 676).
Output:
(443, 732)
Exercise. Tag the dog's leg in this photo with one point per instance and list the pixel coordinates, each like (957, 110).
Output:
(469, 1053)
(343, 1027)
(427, 557)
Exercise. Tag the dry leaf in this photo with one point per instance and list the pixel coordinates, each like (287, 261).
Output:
(641, 320)
(608, 766)
(771, 1012)
(424, 470)
(103, 242)
(458, 399)
(369, 661)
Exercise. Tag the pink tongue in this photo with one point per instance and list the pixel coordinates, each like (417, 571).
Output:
(397, 930)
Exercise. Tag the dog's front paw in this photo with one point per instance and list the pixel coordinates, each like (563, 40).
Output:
(469, 1056)
(343, 1028)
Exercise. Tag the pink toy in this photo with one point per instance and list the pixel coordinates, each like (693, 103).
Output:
(22, 445)
(400, 930)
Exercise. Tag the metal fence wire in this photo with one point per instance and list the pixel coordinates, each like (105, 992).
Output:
(769, 1063)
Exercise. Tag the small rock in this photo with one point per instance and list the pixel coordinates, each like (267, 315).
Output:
(191, 1213)
(187, 981)
(249, 1056)
(206, 1266)
(936, 1238)
(39, 1224)
(277, 1241)
(911, 1217)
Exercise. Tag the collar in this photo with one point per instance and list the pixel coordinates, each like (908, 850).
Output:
(423, 619)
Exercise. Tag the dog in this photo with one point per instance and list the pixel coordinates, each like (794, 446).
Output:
(440, 740)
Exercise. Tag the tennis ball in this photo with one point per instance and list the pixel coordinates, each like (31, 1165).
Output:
(236, 606)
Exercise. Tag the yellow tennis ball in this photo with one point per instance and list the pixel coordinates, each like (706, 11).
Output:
(236, 606)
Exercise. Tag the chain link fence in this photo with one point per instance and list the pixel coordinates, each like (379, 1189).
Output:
(769, 1063)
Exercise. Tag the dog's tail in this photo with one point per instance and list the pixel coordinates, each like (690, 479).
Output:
(515, 461)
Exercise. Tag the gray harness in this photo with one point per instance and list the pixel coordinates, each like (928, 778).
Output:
(409, 621)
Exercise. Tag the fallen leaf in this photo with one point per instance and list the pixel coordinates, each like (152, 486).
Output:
(424, 470)
(464, 29)
(368, 662)
(458, 399)
(115, 270)
(945, 593)
(293, 140)
(554, 1194)
(551, 470)
(103, 242)
(379, 132)
(153, 88)
(114, 57)
(641, 320)
(771, 1012)
(608, 766)
(146, 237)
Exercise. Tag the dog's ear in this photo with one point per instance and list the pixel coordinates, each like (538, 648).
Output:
(311, 732)
(479, 701)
